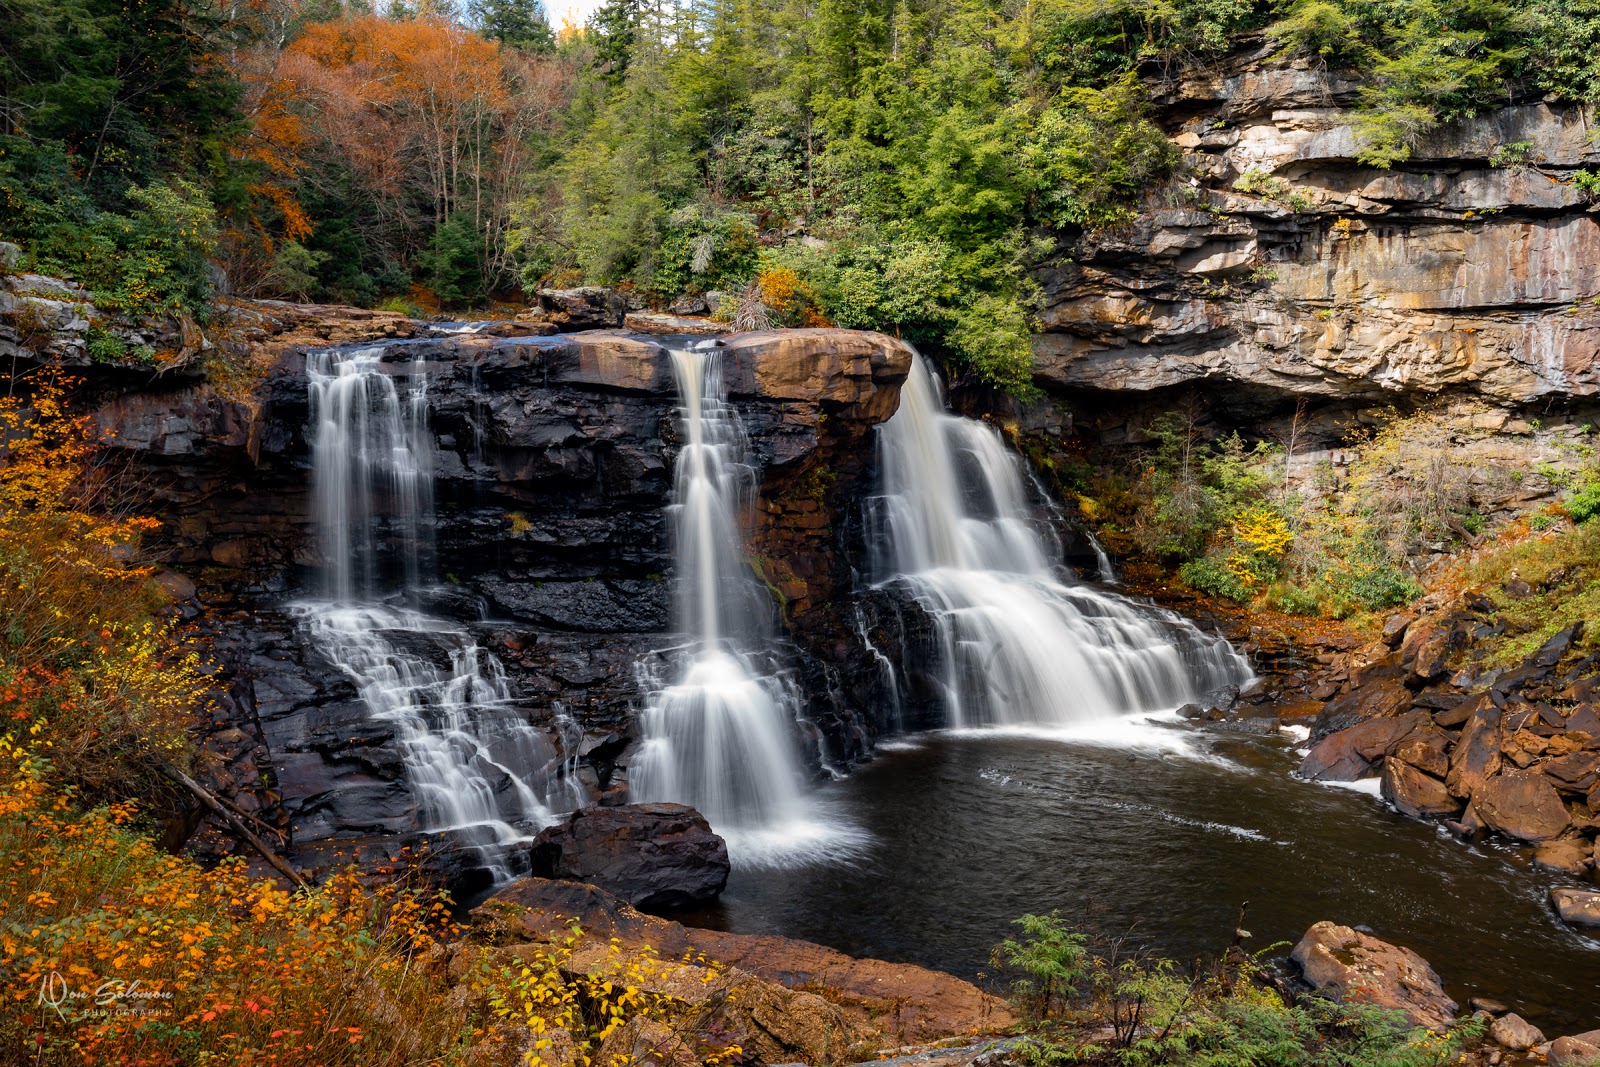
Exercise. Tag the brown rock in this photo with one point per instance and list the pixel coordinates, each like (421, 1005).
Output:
(1394, 627)
(1516, 1033)
(1359, 968)
(1414, 793)
(1350, 754)
(836, 367)
(1427, 648)
(643, 1042)
(1569, 854)
(1521, 804)
(1577, 772)
(1477, 754)
(1370, 699)
(923, 1004)
(1428, 750)
(1577, 907)
(1571, 1052)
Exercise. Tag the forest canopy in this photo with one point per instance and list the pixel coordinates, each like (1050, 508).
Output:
(891, 164)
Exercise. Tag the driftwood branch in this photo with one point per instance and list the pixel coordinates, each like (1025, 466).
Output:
(236, 824)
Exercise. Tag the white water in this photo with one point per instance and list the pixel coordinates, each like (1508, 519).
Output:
(475, 765)
(721, 737)
(1021, 642)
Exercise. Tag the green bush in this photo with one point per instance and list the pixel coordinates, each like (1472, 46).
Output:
(1585, 503)
(1094, 153)
(1211, 576)
(1127, 1010)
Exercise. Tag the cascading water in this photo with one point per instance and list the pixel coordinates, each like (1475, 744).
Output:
(721, 738)
(475, 766)
(1020, 643)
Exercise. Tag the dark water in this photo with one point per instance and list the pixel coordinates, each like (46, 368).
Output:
(968, 832)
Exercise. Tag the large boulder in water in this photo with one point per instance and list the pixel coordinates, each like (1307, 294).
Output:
(1522, 804)
(654, 856)
(1358, 968)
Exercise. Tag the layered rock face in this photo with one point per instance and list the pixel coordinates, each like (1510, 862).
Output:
(552, 463)
(1279, 268)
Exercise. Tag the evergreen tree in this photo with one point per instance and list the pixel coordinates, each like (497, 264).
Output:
(519, 24)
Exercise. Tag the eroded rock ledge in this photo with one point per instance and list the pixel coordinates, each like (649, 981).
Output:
(552, 469)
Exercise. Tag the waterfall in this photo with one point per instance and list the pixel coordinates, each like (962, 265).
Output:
(721, 737)
(1021, 643)
(476, 767)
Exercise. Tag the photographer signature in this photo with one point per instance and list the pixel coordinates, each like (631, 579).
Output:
(56, 993)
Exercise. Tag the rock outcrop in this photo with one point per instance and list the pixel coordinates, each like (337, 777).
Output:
(902, 1004)
(655, 857)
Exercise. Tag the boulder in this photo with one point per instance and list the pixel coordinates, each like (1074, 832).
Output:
(1573, 1052)
(1576, 772)
(1371, 699)
(1577, 907)
(1521, 804)
(1569, 854)
(585, 308)
(1428, 750)
(1427, 648)
(1550, 653)
(654, 856)
(1477, 754)
(1357, 967)
(1351, 753)
(1514, 1032)
(1414, 793)
(1394, 627)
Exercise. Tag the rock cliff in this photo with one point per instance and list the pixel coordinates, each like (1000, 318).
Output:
(552, 464)
(1278, 268)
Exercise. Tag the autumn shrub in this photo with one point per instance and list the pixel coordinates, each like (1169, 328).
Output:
(575, 991)
(113, 951)
(1561, 568)
(80, 646)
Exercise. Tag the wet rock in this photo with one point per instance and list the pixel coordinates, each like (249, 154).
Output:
(1374, 698)
(1521, 804)
(1568, 854)
(1577, 907)
(1477, 754)
(1414, 793)
(1350, 754)
(1514, 1032)
(654, 856)
(1360, 968)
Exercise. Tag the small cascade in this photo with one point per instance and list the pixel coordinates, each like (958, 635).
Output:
(1102, 561)
(1021, 643)
(721, 736)
(477, 768)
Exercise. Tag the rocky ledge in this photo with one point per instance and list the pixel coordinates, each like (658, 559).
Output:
(552, 469)
(796, 1000)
